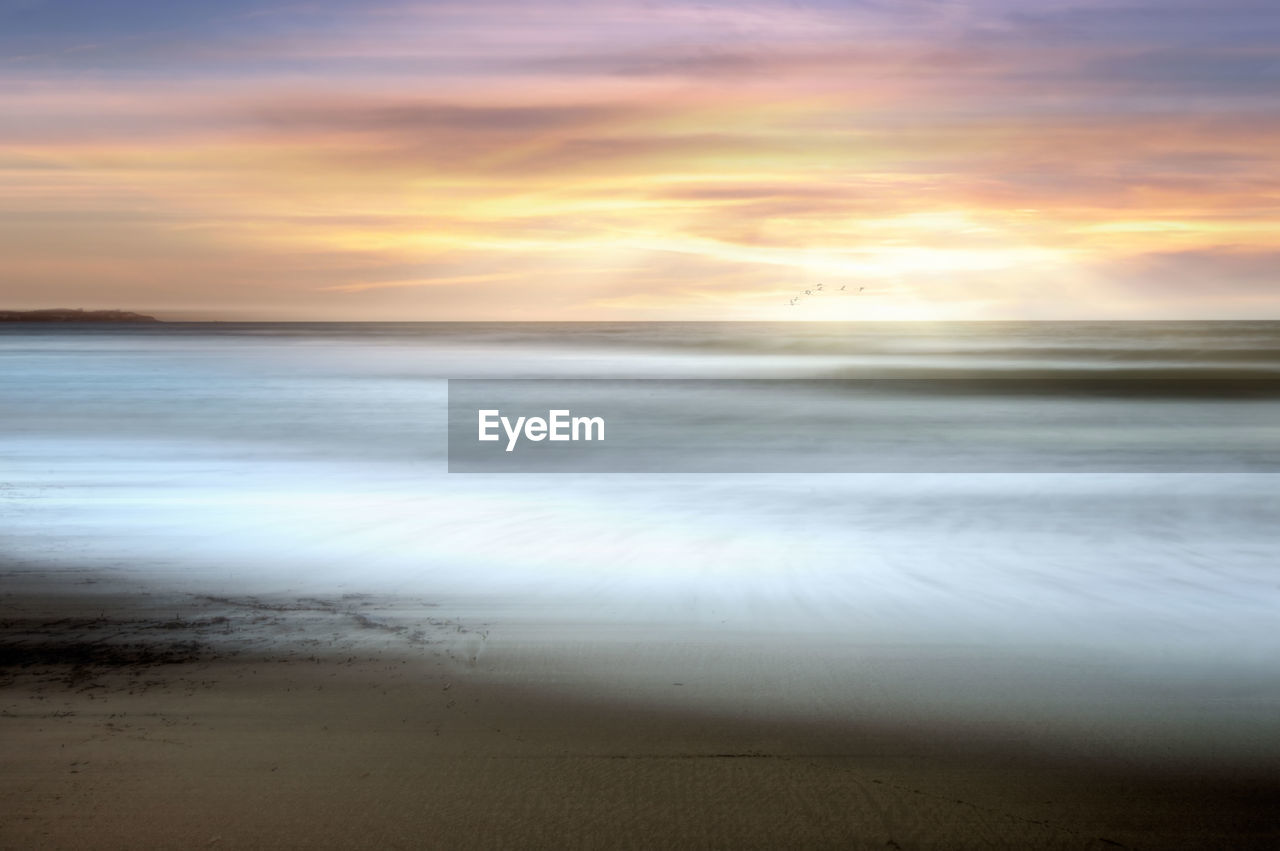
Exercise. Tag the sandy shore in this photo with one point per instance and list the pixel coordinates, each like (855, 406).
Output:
(137, 718)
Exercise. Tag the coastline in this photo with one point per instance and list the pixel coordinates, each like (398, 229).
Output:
(75, 315)
(174, 720)
(244, 606)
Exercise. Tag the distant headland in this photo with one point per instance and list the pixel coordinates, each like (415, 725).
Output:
(63, 314)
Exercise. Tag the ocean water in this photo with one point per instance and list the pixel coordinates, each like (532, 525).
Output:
(308, 458)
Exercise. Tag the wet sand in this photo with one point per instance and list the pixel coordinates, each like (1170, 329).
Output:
(134, 717)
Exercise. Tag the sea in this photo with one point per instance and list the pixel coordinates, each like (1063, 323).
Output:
(312, 458)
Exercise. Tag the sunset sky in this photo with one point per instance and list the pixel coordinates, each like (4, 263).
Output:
(268, 159)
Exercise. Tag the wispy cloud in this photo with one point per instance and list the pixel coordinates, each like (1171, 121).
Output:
(509, 159)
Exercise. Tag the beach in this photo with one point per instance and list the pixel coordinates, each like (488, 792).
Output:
(170, 721)
(639, 425)
(244, 604)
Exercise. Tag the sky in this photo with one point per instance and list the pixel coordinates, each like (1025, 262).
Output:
(478, 160)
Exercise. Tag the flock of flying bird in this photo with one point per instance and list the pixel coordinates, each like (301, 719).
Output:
(796, 300)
